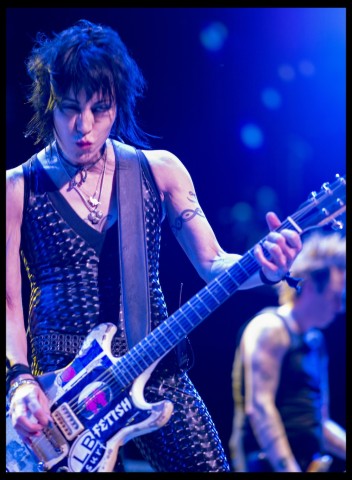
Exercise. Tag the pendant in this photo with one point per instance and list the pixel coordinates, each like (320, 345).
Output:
(82, 172)
(93, 202)
(94, 217)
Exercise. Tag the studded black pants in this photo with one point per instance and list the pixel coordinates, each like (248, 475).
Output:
(189, 442)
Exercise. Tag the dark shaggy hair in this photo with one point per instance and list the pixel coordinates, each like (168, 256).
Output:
(90, 57)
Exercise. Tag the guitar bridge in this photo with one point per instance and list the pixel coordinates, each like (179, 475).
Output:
(50, 447)
(67, 421)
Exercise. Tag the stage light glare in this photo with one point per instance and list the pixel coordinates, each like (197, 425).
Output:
(271, 98)
(214, 36)
(252, 136)
(286, 72)
(306, 68)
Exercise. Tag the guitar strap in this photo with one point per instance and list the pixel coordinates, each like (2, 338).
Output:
(132, 244)
(133, 252)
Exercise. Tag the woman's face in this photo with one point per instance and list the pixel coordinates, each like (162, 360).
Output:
(82, 126)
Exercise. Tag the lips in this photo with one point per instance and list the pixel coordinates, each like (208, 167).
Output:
(83, 144)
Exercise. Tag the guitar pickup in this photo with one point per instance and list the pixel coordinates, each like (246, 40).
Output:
(67, 421)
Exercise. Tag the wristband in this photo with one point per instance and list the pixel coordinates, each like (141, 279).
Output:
(14, 371)
(291, 281)
(19, 383)
(266, 281)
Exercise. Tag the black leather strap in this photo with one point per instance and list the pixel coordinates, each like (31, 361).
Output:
(132, 244)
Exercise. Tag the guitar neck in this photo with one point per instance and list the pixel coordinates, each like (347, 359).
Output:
(170, 332)
(320, 209)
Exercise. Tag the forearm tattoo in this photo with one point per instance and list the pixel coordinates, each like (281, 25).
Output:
(187, 214)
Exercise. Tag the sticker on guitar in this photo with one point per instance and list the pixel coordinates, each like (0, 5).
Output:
(97, 401)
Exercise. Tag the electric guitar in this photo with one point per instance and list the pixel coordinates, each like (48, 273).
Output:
(97, 400)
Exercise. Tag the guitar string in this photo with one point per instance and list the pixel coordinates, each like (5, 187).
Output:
(246, 258)
(110, 375)
(249, 258)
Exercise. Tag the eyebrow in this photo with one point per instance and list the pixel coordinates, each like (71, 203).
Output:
(74, 100)
(69, 99)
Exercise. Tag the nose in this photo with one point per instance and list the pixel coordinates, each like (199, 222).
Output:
(84, 122)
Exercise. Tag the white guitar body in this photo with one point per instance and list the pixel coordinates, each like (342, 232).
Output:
(95, 413)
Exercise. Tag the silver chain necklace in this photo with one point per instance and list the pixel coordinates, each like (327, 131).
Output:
(78, 174)
(92, 201)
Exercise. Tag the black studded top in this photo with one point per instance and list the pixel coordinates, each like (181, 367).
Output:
(74, 270)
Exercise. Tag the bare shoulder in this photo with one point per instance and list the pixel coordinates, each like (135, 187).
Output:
(267, 330)
(14, 179)
(14, 188)
(167, 168)
(164, 160)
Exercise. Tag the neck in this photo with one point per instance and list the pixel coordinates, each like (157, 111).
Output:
(73, 167)
(78, 173)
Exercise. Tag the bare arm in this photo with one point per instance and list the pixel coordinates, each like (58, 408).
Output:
(28, 404)
(334, 438)
(195, 235)
(16, 342)
(263, 346)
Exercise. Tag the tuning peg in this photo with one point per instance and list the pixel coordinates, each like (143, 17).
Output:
(340, 202)
(340, 178)
(336, 225)
(312, 195)
(326, 186)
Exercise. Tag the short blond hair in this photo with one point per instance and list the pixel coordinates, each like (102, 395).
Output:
(321, 251)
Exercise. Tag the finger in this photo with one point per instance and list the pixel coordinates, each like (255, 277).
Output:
(288, 240)
(30, 431)
(261, 258)
(280, 257)
(39, 407)
(277, 252)
(279, 246)
(272, 220)
(29, 404)
(284, 247)
(38, 413)
(23, 421)
(292, 238)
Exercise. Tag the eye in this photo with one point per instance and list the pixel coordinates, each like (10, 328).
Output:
(101, 108)
(69, 107)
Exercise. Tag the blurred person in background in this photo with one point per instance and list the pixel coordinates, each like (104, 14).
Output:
(280, 382)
